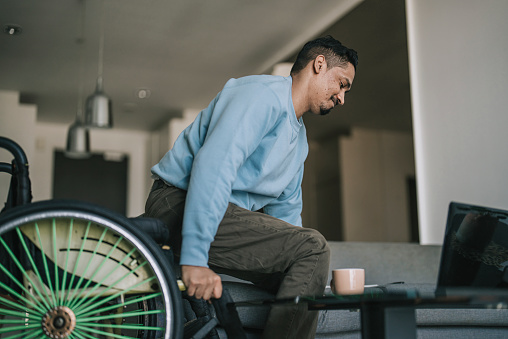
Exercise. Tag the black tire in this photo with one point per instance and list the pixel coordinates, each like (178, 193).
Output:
(109, 280)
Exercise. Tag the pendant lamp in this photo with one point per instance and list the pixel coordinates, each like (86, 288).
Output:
(78, 136)
(78, 141)
(98, 108)
(98, 112)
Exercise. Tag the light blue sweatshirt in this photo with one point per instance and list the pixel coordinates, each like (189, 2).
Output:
(248, 148)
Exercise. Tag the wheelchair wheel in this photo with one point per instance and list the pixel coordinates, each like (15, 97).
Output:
(74, 270)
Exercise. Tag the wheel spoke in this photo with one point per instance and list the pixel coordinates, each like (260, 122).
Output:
(71, 299)
(104, 261)
(18, 321)
(55, 262)
(20, 328)
(124, 326)
(46, 268)
(23, 314)
(21, 268)
(119, 315)
(103, 301)
(64, 279)
(76, 334)
(38, 307)
(85, 335)
(76, 264)
(45, 299)
(107, 334)
(126, 303)
(13, 304)
(28, 335)
(100, 283)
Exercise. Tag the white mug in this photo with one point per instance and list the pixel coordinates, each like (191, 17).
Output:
(347, 281)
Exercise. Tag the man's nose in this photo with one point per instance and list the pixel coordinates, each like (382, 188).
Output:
(341, 98)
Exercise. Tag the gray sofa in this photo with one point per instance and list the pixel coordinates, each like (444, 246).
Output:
(384, 263)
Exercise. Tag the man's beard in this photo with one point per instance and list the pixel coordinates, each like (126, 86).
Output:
(324, 111)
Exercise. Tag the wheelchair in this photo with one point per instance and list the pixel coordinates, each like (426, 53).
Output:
(70, 269)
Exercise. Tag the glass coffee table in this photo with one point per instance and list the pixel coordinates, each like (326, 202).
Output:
(389, 314)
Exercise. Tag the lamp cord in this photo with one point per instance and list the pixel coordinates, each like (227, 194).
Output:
(101, 44)
(80, 41)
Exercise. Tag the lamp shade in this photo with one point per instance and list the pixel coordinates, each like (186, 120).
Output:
(98, 109)
(78, 142)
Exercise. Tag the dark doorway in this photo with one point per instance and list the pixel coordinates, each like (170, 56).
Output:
(99, 179)
(413, 210)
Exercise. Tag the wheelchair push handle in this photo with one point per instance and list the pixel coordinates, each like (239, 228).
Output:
(21, 189)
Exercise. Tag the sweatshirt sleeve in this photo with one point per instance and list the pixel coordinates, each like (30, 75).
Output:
(288, 206)
(240, 119)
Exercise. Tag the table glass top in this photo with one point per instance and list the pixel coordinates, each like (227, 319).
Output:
(372, 296)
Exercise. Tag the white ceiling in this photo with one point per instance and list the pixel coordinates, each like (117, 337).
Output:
(184, 51)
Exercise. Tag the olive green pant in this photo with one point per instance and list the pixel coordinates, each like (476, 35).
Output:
(286, 260)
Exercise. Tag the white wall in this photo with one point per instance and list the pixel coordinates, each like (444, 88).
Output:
(164, 138)
(177, 125)
(17, 122)
(40, 140)
(459, 78)
(375, 165)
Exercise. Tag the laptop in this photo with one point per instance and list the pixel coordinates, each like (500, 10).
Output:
(474, 257)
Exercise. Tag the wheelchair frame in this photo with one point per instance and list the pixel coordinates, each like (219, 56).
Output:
(70, 269)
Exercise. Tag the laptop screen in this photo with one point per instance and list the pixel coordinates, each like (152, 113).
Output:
(475, 248)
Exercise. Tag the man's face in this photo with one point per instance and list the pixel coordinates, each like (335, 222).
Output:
(331, 87)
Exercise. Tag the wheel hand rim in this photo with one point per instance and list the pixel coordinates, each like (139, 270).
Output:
(43, 296)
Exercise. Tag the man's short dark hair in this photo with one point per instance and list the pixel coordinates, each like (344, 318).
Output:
(335, 53)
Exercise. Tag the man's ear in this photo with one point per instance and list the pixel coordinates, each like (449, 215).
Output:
(319, 64)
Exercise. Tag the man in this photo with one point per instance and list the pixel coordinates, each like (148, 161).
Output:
(230, 188)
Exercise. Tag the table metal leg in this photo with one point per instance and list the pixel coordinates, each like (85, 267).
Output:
(385, 322)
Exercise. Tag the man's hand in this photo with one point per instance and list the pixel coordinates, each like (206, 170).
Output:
(201, 282)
